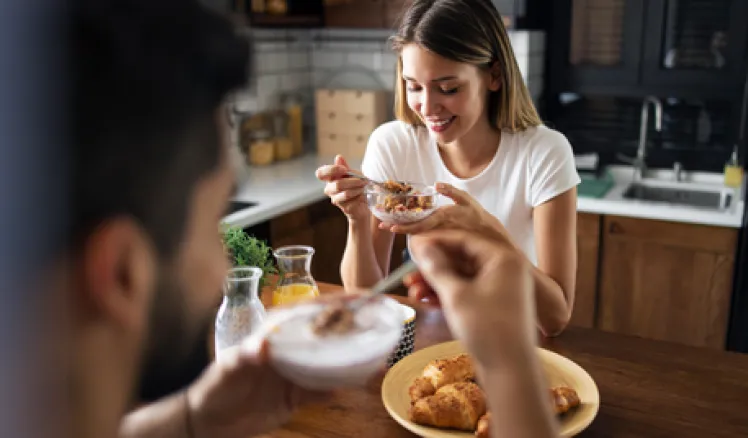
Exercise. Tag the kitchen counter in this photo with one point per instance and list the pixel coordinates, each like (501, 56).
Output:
(289, 185)
(280, 188)
(613, 203)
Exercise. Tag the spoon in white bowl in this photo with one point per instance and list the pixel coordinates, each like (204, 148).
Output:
(339, 316)
(386, 284)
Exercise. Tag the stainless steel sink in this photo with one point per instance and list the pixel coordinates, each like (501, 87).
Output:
(707, 199)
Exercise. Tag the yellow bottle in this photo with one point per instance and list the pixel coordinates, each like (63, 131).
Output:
(733, 171)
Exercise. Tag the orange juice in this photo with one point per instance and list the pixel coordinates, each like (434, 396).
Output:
(291, 293)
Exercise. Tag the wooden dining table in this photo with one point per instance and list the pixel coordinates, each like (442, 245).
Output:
(647, 388)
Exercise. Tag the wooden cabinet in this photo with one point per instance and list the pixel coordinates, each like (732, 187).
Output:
(355, 14)
(393, 12)
(588, 250)
(363, 14)
(666, 281)
(320, 225)
(324, 227)
(639, 47)
(654, 279)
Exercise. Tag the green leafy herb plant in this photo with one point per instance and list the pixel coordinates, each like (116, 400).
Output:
(246, 250)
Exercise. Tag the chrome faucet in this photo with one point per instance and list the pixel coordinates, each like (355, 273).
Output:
(640, 163)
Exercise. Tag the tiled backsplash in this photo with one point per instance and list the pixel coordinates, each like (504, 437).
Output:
(302, 60)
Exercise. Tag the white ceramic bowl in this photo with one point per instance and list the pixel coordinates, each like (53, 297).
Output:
(378, 200)
(334, 361)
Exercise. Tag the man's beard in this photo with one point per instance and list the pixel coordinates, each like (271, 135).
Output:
(177, 349)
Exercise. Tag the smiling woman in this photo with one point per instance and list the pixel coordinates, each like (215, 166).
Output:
(467, 124)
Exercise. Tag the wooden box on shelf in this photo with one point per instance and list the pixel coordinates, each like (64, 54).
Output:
(346, 118)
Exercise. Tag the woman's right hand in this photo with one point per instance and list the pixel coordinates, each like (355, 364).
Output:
(346, 193)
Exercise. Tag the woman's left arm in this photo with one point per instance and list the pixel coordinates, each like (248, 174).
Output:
(555, 227)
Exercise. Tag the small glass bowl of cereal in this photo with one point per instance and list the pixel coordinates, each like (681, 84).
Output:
(401, 203)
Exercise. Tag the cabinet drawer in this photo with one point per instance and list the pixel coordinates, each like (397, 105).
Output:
(698, 237)
(349, 145)
(331, 143)
(346, 123)
(331, 100)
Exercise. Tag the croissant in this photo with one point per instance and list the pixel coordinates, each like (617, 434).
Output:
(453, 406)
(564, 399)
(442, 372)
(482, 430)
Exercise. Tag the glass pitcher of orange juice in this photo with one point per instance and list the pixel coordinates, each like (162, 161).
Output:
(295, 282)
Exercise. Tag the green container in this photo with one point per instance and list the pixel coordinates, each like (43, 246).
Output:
(594, 187)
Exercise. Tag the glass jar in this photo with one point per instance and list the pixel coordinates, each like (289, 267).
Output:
(295, 281)
(261, 149)
(241, 311)
(295, 123)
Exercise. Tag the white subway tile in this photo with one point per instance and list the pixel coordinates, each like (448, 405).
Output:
(320, 78)
(263, 62)
(362, 59)
(520, 40)
(389, 61)
(328, 60)
(268, 85)
(523, 62)
(388, 79)
(298, 60)
(291, 81)
(279, 61)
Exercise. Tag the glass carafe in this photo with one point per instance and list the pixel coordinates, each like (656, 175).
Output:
(241, 311)
(295, 282)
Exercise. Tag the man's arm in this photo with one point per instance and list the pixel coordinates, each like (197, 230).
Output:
(166, 418)
(517, 397)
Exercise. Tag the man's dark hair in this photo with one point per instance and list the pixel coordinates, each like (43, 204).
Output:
(148, 77)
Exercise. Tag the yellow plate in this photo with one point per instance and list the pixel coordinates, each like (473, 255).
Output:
(558, 369)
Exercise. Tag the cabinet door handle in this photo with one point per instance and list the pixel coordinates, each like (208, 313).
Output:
(360, 138)
(332, 115)
(333, 136)
(359, 117)
(614, 228)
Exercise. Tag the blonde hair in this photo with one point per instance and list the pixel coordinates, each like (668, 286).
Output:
(470, 31)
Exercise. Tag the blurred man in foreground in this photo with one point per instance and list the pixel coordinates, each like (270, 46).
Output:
(144, 264)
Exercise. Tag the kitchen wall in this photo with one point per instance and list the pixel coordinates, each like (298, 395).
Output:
(300, 61)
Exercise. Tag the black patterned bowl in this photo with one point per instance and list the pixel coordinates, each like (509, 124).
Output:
(408, 338)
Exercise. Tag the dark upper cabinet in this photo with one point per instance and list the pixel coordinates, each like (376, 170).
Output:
(696, 43)
(604, 38)
(639, 47)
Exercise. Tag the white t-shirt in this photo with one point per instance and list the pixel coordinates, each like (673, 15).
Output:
(529, 168)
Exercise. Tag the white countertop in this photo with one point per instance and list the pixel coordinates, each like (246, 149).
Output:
(613, 203)
(289, 185)
(280, 188)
